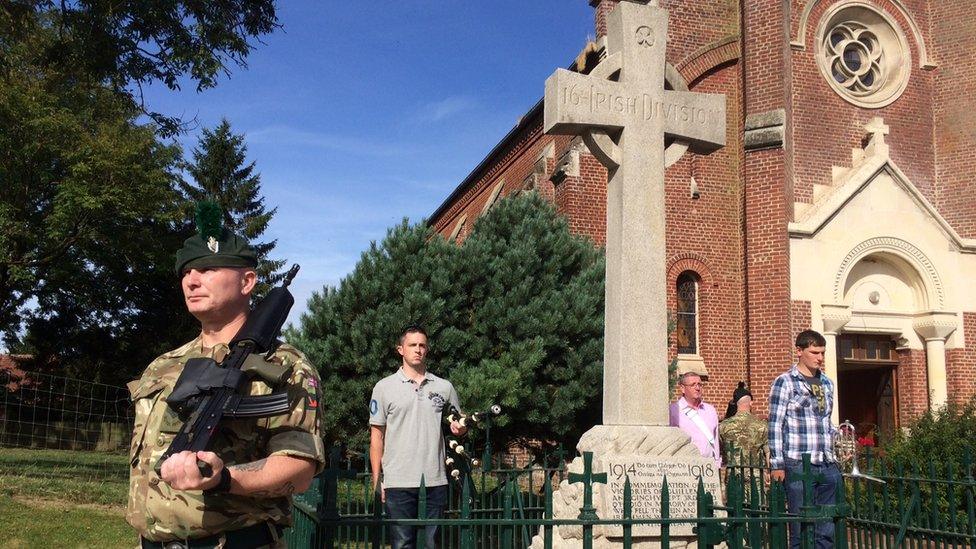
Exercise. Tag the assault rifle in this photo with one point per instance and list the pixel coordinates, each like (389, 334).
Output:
(207, 392)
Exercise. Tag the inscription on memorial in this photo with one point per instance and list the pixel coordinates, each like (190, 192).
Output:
(646, 482)
(643, 106)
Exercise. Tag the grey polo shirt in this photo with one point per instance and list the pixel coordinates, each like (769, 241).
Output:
(411, 412)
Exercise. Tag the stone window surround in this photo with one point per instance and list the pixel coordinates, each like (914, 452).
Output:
(897, 54)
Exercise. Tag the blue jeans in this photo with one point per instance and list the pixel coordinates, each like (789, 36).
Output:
(402, 503)
(824, 493)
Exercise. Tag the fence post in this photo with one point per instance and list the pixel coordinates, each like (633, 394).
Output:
(735, 495)
(967, 463)
(627, 514)
(665, 514)
(547, 514)
(467, 537)
(840, 518)
(508, 531)
(422, 515)
(777, 508)
(587, 511)
(708, 533)
(329, 486)
(376, 528)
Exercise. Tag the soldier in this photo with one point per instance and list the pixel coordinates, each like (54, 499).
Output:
(257, 463)
(741, 433)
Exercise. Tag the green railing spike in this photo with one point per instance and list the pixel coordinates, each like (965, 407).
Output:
(627, 513)
(547, 514)
(665, 513)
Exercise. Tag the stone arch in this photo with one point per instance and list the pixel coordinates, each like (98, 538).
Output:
(929, 285)
(799, 41)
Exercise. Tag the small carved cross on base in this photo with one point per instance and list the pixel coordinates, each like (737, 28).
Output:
(623, 113)
(588, 478)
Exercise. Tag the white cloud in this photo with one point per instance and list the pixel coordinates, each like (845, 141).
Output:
(445, 108)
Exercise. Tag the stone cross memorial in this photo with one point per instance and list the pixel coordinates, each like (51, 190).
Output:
(624, 122)
(625, 113)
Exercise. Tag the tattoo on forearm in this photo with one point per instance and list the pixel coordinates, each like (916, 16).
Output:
(285, 489)
(251, 466)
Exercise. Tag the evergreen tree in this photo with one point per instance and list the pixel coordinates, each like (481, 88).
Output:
(515, 317)
(221, 173)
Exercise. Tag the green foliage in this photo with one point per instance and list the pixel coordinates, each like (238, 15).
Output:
(948, 433)
(515, 317)
(221, 174)
(89, 217)
(127, 45)
(87, 223)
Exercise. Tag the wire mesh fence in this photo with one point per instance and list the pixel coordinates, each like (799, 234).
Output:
(39, 410)
(63, 438)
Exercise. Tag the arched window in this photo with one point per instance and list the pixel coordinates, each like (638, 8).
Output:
(687, 313)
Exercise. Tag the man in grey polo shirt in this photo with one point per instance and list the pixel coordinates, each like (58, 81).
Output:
(405, 439)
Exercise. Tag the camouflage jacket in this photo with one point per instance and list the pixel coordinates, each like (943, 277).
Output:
(746, 433)
(160, 513)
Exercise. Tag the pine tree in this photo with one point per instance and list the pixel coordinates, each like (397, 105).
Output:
(514, 316)
(221, 173)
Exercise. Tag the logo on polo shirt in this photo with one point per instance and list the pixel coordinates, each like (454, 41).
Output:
(373, 407)
(438, 400)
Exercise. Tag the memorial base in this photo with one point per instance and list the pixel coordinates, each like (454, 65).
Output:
(645, 454)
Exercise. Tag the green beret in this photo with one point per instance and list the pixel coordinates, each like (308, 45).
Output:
(229, 250)
(213, 245)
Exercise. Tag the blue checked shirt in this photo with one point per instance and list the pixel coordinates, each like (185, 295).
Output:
(797, 424)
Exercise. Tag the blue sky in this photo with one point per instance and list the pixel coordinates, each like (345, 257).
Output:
(360, 113)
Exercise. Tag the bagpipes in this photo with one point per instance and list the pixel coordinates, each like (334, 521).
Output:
(459, 459)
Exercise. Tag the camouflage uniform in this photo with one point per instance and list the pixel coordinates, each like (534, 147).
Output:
(160, 513)
(747, 433)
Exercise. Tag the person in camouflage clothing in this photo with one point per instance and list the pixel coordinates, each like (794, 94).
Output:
(741, 433)
(257, 463)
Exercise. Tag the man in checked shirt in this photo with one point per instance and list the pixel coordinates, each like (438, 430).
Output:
(800, 404)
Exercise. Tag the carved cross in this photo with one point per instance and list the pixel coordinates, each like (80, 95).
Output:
(588, 478)
(623, 113)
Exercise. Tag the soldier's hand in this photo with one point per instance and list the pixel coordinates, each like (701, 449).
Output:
(181, 472)
(778, 475)
(457, 429)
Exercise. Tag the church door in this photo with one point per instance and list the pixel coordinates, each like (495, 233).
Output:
(867, 386)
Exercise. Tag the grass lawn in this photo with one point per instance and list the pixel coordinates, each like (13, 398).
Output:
(63, 475)
(56, 524)
(54, 498)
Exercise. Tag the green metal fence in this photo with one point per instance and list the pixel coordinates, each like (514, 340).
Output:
(929, 506)
(505, 508)
(927, 503)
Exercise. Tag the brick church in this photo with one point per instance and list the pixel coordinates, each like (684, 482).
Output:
(843, 201)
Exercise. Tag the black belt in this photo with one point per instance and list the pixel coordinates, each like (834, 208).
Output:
(249, 537)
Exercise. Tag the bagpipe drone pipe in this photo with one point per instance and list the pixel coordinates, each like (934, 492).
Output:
(460, 457)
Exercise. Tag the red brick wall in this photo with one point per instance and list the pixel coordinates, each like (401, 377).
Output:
(767, 196)
(952, 43)
(825, 127)
(913, 385)
(802, 318)
(961, 364)
(583, 199)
